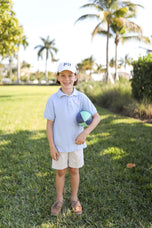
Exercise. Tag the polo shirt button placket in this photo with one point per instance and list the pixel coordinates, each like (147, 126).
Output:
(70, 103)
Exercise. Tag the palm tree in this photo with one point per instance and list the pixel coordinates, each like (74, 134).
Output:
(100, 68)
(25, 44)
(107, 12)
(126, 61)
(84, 66)
(49, 48)
(112, 63)
(122, 26)
(87, 64)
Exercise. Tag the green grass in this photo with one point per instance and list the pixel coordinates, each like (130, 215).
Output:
(111, 194)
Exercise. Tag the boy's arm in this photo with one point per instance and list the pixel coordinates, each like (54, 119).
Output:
(53, 151)
(82, 136)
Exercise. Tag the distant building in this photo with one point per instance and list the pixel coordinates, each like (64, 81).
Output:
(125, 75)
(97, 77)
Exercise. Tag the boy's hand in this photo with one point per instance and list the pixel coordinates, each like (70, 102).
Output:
(81, 138)
(54, 154)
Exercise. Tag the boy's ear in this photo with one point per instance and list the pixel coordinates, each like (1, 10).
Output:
(57, 76)
(76, 77)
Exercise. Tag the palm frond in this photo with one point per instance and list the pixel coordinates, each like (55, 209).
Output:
(54, 49)
(39, 54)
(90, 16)
(139, 38)
(44, 40)
(93, 5)
(100, 31)
(104, 33)
(52, 56)
(38, 46)
(48, 38)
(129, 25)
(112, 4)
(145, 39)
(52, 42)
(131, 4)
(121, 12)
(132, 27)
(95, 31)
(41, 49)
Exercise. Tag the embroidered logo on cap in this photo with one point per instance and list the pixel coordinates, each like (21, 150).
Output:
(67, 64)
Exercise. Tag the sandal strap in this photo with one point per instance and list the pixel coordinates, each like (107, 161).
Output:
(58, 204)
(73, 203)
(76, 206)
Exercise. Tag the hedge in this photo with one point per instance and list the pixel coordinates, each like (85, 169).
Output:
(142, 78)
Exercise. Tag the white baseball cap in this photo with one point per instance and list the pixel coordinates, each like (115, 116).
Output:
(67, 66)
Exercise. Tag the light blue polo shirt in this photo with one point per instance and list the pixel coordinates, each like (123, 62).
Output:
(62, 110)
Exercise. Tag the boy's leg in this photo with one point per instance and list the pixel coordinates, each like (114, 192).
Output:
(74, 179)
(75, 203)
(61, 167)
(60, 179)
(76, 161)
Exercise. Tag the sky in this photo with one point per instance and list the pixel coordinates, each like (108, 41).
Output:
(56, 19)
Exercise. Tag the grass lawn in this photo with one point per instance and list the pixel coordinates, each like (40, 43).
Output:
(112, 195)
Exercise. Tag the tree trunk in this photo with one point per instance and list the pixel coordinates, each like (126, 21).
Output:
(18, 68)
(116, 58)
(46, 71)
(107, 57)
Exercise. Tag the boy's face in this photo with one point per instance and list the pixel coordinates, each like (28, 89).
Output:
(67, 79)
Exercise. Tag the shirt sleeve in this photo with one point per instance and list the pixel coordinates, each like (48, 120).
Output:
(49, 110)
(88, 105)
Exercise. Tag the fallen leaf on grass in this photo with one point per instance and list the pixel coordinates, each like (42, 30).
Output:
(130, 165)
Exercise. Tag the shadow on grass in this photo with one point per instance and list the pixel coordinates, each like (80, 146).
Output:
(4, 96)
(27, 181)
(118, 196)
(111, 194)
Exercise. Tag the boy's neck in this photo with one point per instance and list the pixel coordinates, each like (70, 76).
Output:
(67, 91)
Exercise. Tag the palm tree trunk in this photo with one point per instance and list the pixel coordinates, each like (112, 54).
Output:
(116, 62)
(46, 71)
(116, 57)
(107, 57)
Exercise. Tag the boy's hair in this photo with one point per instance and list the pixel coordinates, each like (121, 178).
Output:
(75, 83)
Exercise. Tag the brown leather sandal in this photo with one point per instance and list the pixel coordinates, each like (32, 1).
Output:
(56, 208)
(76, 207)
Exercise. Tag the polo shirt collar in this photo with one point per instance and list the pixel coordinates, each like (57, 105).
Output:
(61, 94)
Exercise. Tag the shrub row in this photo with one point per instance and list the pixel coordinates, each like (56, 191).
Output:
(117, 98)
(142, 78)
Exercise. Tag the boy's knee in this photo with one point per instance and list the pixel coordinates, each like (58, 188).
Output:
(73, 171)
(61, 173)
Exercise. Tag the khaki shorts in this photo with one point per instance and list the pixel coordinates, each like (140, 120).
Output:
(73, 159)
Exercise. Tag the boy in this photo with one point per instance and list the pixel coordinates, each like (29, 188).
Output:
(67, 139)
